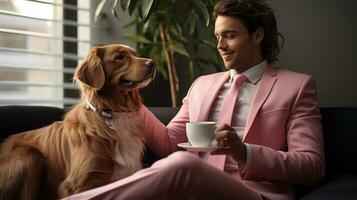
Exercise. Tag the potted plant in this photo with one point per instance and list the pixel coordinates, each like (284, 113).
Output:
(166, 28)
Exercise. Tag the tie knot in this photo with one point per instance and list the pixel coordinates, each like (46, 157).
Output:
(238, 80)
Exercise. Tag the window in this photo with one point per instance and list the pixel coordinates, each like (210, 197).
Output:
(41, 42)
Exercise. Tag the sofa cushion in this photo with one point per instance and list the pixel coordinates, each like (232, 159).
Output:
(340, 137)
(336, 187)
(164, 114)
(16, 119)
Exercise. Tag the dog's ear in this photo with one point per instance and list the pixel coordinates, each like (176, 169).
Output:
(90, 71)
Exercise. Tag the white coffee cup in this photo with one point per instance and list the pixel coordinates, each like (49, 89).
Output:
(200, 134)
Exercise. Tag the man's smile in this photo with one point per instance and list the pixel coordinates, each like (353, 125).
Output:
(227, 55)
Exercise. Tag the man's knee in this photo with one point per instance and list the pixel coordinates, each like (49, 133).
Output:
(179, 159)
(183, 160)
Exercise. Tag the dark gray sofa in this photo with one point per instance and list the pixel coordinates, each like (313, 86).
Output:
(340, 135)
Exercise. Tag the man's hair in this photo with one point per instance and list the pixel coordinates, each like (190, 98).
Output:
(254, 14)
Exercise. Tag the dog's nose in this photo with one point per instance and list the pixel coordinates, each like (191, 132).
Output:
(150, 64)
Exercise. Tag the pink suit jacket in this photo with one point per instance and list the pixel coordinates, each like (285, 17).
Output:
(283, 129)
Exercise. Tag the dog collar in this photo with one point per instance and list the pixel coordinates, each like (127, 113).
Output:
(104, 113)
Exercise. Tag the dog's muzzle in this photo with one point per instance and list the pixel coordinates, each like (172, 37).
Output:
(149, 76)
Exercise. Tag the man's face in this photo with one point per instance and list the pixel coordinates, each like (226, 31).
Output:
(238, 49)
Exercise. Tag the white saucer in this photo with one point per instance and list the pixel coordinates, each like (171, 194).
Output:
(188, 147)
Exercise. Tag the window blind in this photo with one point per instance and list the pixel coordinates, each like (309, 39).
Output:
(41, 42)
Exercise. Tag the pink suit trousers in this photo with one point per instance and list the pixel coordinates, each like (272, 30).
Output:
(181, 175)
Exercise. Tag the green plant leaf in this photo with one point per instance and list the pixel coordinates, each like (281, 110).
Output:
(145, 8)
(177, 29)
(114, 3)
(179, 48)
(131, 23)
(178, 37)
(149, 26)
(113, 9)
(156, 35)
(115, 14)
(209, 43)
(191, 26)
(201, 11)
(132, 6)
(189, 72)
(138, 38)
(99, 9)
(124, 4)
(159, 65)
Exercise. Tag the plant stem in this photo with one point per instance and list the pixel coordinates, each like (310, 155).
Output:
(174, 83)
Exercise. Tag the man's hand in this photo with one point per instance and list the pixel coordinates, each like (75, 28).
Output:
(230, 143)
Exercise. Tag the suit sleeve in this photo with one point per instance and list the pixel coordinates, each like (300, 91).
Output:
(163, 139)
(303, 163)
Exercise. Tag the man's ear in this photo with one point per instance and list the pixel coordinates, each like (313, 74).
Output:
(90, 70)
(258, 36)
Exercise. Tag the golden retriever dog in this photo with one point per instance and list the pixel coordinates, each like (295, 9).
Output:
(98, 141)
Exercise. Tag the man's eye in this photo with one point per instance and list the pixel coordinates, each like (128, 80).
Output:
(119, 57)
(229, 35)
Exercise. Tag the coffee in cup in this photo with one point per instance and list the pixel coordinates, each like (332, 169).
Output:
(200, 134)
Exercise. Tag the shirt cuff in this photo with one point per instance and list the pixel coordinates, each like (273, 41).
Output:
(249, 158)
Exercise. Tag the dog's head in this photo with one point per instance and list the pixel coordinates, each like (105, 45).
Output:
(110, 77)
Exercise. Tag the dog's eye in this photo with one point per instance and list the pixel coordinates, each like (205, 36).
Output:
(119, 57)
(126, 82)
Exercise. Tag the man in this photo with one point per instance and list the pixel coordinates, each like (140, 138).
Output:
(273, 139)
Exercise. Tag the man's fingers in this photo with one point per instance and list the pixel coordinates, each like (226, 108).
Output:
(225, 135)
(221, 134)
(222, 127)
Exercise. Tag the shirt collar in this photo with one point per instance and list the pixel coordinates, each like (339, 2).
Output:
(254, 74)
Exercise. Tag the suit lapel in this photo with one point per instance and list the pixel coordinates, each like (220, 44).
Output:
(266, 85)
(210, 96)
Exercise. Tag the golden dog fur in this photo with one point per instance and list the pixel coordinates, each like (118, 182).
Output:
(86, 149)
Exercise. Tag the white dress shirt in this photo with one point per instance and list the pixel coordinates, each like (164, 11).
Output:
(241, 109)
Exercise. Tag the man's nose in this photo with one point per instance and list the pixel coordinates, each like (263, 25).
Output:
(221, 44)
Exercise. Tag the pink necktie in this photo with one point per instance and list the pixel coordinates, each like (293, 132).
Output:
(225, 115)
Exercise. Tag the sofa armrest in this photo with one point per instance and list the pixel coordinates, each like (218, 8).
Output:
(16, 119)
(340, 138)
(164, 114)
